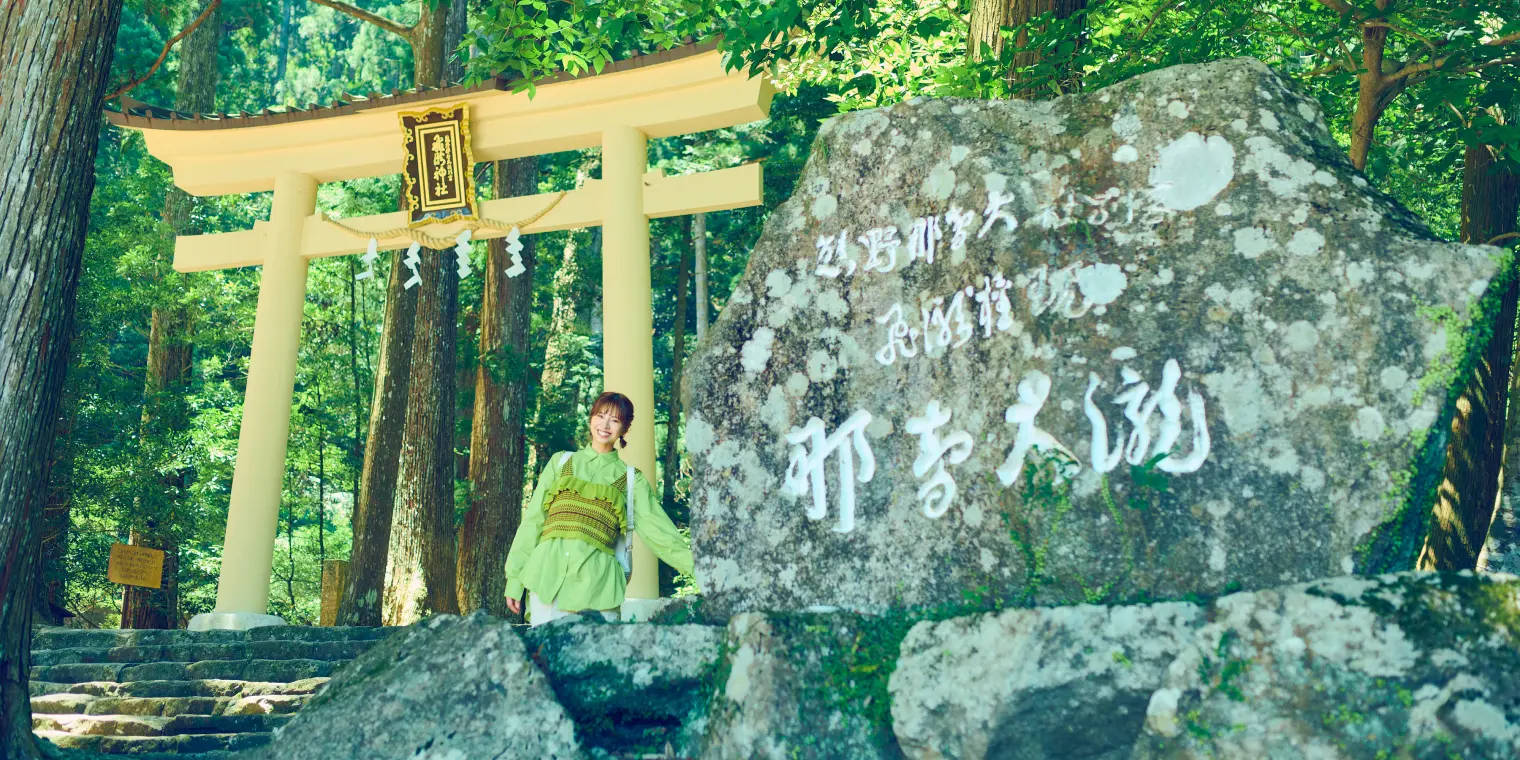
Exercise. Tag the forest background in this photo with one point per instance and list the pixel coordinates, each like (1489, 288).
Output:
(1420, 93)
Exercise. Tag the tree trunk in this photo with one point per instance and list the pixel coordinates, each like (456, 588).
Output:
(282, 50)
(57, 56)
(497, 451)
(420, 576)
(699, 247)
(164, 415)
(990, 17)
(1465, 503)
(369, 563)
(52, 574)
(984, 40)
(672, 465)
(164, 419)
(429, 54)
(356, 443)
(455, 26)
(365, 581)
(556, 399)
(1373, 95)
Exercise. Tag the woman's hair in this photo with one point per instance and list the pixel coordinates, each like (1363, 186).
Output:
(619, 405)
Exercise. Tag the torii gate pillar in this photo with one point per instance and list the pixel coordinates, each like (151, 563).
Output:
(258, 477)
(627, 321)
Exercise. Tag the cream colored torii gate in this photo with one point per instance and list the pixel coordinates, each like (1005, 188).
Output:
(675, 92)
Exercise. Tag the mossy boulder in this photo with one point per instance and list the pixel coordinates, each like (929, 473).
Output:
(798, 686)
(1406, 665)
(630, 688)
(1053, 682)
(1152, 342)
(448, 688)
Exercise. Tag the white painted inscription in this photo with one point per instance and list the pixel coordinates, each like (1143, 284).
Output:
(902, 339)
(938, 492)
(1033, 391)
(804, 473)
(1139, 405)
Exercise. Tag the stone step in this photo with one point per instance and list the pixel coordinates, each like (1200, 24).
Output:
(236, 670)
(182, 688)
(87, 704)
(252, 650)
(151, 725)
(180, 746)
(71, 638)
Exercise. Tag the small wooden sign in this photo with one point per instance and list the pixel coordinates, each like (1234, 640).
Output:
(136, 566)
(439, 170)
(334, 574)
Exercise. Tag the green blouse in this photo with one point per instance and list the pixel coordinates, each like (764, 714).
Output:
(572, 572)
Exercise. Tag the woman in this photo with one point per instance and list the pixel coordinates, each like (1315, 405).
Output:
(563, 549)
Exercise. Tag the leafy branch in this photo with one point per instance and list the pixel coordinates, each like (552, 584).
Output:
(163, 54)
(401, 30)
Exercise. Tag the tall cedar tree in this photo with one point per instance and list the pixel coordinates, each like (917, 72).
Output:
(498, 454)
(1470, 487)
(420, 577)
(58, 53)
(165, 415)
(374, 515)
(672, 457)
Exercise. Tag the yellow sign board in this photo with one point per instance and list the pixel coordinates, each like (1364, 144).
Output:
(439, 170)
(136, 566)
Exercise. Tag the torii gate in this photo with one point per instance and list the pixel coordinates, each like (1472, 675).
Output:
(674, 92)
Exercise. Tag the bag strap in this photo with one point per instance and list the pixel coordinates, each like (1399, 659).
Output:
(628, 500)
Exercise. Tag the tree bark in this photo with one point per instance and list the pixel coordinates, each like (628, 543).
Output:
(282, 49)
(373, 513)
(990, 17)
(455, 26)
(164, 418)
(164, 415)
(497, 451)
(1465, 503)
(57, 57)
(420, 576)
(52, 573)
(556, 399)
(699, 247)
(1373, 94)
(429, 53)
(672, 457)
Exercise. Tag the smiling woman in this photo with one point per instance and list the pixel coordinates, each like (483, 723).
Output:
(566, 552)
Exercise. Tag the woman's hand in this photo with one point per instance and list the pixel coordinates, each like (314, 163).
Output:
(515, 606)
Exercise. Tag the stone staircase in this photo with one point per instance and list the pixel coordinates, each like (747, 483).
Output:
(180, 694)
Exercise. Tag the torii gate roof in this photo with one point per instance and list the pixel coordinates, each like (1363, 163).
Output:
(672, 92)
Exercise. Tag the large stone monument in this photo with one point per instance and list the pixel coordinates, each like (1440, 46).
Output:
(1151, 342)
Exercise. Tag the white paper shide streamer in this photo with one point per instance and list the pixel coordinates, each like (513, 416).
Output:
(411, 261)
(514, 248)
(462, 254)
(369, 260)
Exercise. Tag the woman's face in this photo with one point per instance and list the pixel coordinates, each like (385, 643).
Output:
(606, 426)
